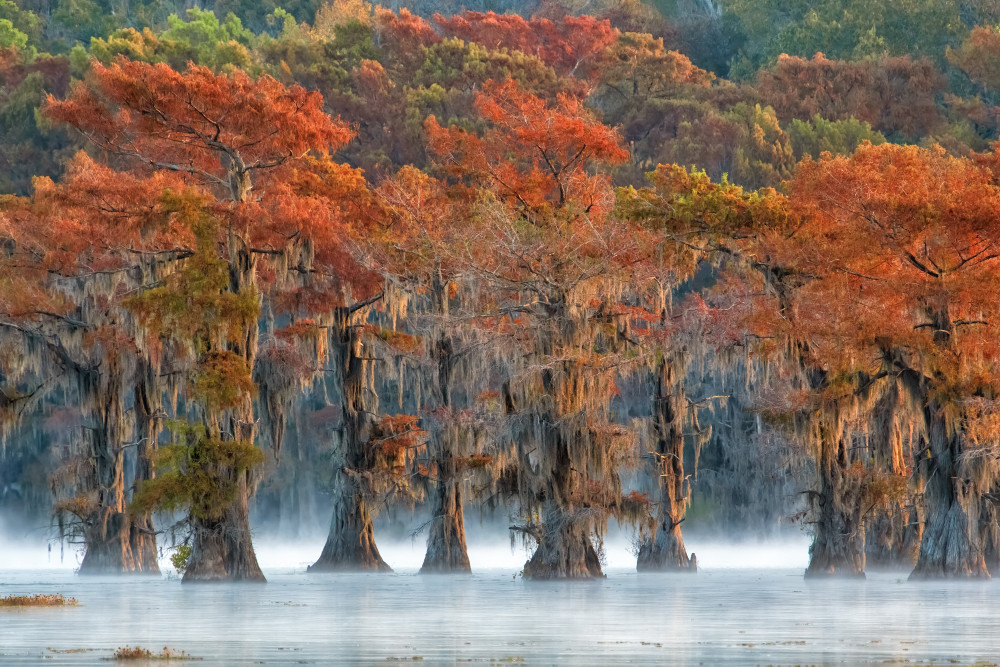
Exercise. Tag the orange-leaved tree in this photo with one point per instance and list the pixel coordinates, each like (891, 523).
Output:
(903, 245)
(243, 147)
(542, 239)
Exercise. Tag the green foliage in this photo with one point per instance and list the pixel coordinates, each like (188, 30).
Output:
(200, 474)
(29, 146)
(223, 380)
(194, 305)
(454, 63)
(180, 558)
(763, 155)
(842, 29)
(11, 37)
(840, 137)
(256, 14)
(21, 22)
(352, 43)
(202, 39)
(79, 21)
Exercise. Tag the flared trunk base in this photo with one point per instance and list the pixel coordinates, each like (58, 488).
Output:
(351, 543)
(564, 553)
(446, 549)
(223, 550)
(665, 552)
(948, 551)
(117, 544)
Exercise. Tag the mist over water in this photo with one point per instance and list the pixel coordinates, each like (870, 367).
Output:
(491, 550)
(748, 605)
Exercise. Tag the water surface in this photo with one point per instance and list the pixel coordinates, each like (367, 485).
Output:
(726, 614)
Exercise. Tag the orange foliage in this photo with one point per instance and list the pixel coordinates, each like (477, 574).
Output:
(535, 156)
(571, 45)
(906, 242)
(260, 148)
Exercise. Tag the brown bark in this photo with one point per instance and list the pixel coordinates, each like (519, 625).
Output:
(446, 549)
(664, 549)
(222, 549)
(350, 544)
(990, 532)
(148, 416)
(564, 547)
(111, 532)
(838, 547)
(892, 538)
(951, 546)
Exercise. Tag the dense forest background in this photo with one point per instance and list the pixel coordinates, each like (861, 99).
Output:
(556, 263)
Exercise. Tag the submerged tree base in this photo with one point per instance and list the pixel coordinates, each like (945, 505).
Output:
(350, 546)
(845, 559)
(223, 550)
(665, 553)
(832, 572)
(119, 544)
(446, 549)
(564, 553)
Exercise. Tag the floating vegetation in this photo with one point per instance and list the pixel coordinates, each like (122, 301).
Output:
(57, 600)
(139, 653)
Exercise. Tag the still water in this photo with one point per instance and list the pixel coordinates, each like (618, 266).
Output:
(733, 612)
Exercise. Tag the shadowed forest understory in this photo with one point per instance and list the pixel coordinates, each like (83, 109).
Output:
(721, 264)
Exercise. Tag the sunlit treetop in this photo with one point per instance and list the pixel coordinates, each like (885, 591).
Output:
(536, 156)
(572, 45)
(226, 131)
(259, 148)
(903, 244)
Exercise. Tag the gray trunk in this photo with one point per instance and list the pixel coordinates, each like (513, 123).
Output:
(564, 550)
(222, 550)
(951, 547)
(446, 550)
(664, 549)
(351, 542)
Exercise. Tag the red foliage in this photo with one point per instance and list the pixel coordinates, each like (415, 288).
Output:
(906, 242)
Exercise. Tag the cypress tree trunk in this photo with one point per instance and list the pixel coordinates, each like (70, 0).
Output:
(564, 548)
(990, 531)
(951, 546)
(147, 428)
(109, 530)
(222, 548)
(838, 547)
(664, 550)
(446, 548)
(350, 544)
(892, 539)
